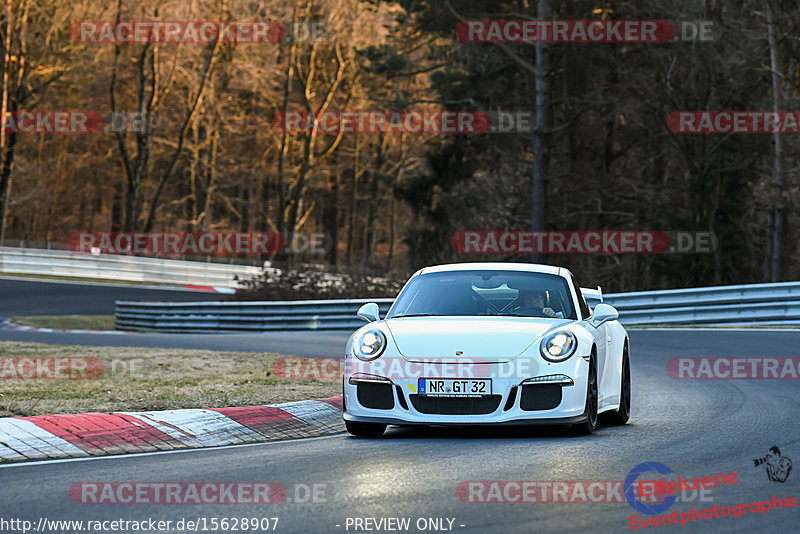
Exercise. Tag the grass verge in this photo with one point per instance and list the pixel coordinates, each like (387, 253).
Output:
(139, 379)
(67, 322)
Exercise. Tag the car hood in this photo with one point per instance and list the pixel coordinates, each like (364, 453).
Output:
(494, 339)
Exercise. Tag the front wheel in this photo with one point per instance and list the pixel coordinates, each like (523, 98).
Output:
(588, 426)
(621, 416)
(365, 430)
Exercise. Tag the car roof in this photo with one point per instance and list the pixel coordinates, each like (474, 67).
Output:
(495, 266)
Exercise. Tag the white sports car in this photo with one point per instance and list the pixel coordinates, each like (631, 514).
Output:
(488, 343)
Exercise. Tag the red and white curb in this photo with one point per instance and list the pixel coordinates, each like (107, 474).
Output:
(44, 437)
(212, 289)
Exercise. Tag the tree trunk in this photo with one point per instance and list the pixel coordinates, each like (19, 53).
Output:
(375, 204)
(206, 73)
(353, 206)
(540, 152)
(296, 196)
(282, 155)
(330, 213)
(775, 214)
(5, 177)
(212, 180)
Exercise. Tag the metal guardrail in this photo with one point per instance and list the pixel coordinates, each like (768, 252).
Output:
(115, 267)
(747, 303)
(755, 303)
(182, 317)
(706, 296)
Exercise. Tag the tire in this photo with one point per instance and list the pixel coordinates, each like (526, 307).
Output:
(588, 426)
(621, 416)
(365, 430)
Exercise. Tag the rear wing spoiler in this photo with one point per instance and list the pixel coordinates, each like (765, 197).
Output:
(592, 294)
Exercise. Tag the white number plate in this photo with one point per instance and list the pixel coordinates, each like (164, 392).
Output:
(455, 387)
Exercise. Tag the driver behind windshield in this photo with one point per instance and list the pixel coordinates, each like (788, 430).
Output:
(533, 303)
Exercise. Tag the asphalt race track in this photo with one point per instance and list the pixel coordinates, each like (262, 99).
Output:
(22, 297)
(697, 428)
(31, 297)
(314, 344)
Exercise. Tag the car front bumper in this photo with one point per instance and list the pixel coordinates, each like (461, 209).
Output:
(394, 400)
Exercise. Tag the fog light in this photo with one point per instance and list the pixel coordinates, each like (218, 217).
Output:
(365, 377)
(564, 380)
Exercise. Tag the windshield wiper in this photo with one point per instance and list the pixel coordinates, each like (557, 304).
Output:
(417, 315)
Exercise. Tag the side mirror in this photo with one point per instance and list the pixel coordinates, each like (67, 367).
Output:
(369, 312)
(603, 313)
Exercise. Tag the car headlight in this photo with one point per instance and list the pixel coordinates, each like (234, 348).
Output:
(558, 346)
(369, 345)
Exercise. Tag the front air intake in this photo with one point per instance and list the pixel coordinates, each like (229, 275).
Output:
(375, 395)
(455, 405)
(540, 397)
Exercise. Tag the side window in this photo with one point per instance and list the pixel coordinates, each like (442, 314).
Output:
(585, 312)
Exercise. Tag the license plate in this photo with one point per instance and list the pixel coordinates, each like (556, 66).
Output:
(455, 387)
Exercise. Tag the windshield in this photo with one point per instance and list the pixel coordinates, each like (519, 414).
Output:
(485, 293)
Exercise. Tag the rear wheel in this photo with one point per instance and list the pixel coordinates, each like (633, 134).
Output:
(588, 426)
(365, 430)
(621, 416)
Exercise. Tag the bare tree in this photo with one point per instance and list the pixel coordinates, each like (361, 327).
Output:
(772, 258)
(149, 86)
(541, 157)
